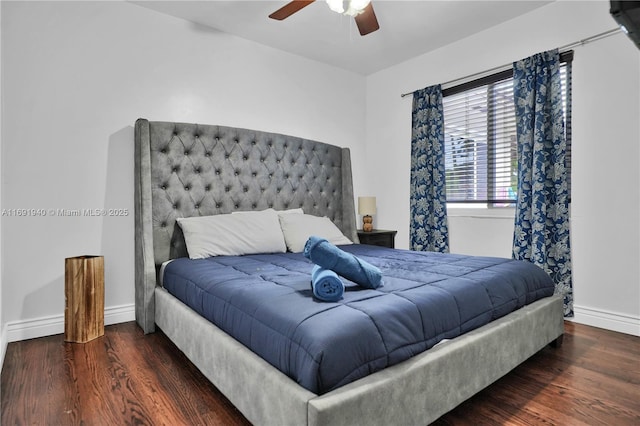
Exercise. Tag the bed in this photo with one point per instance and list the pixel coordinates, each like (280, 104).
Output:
(186, 170)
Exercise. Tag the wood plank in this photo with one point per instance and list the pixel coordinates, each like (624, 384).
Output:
(84, 298)
(123, 377)
(126, 377)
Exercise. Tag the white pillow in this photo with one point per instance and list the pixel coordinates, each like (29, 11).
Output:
(297, 228)
(233, 234)
(280, 212)
(290, 211)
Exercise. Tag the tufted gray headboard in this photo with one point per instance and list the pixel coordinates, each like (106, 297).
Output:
(184, 170)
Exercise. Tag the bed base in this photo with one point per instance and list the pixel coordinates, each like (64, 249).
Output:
(416, 391)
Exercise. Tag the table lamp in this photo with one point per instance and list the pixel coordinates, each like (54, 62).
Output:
(367, 207)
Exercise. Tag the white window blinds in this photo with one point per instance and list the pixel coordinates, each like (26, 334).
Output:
(480, 138)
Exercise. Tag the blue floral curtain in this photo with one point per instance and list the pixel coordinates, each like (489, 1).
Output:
(542, 210)
(428, 227)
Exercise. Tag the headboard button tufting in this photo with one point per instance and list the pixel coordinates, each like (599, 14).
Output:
(274, 171)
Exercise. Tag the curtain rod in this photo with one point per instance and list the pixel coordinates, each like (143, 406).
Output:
(561, 49)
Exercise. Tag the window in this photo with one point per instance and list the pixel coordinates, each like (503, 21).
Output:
(480, 138)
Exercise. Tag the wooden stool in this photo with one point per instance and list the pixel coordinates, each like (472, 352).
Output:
(84, 298)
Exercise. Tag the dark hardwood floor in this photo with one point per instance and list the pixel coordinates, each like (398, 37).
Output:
(127, 378)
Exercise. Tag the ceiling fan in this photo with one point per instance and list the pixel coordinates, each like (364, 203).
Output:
(361, 10)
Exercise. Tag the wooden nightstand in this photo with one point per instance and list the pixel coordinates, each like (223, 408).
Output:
(378, 237)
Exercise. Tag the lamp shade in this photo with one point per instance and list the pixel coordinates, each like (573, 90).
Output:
(366, 206)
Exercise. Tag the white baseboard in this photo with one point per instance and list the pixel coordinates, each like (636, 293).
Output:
(3, 344)
(47, 326)
(613, 321)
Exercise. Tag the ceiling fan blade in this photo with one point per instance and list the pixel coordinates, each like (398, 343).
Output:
(289, 9)
(367, 21)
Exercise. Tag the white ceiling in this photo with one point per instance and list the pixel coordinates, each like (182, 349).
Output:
(407, 28)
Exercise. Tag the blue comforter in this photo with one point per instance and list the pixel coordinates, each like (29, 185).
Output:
(266, 303)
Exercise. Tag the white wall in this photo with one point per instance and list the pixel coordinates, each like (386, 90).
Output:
(3, 333)
(77, 75)
(606, 148)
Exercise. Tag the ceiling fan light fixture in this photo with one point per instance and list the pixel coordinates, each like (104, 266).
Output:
(361, 11)
(348, 7)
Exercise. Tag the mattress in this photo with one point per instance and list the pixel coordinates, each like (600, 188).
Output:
(266, 303)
